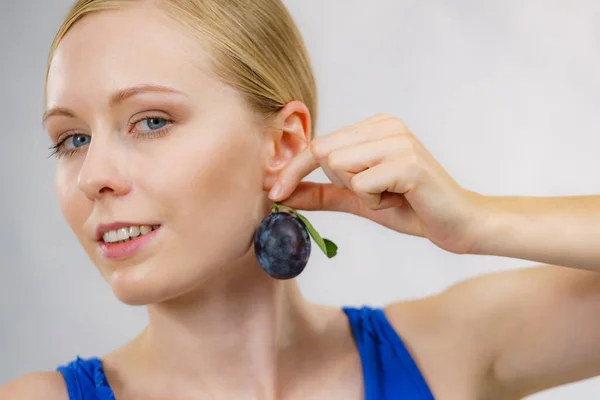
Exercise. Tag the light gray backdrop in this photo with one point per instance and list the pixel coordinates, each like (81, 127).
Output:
(506, 94)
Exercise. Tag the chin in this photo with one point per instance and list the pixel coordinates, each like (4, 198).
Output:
(138, 293)
(143, 284)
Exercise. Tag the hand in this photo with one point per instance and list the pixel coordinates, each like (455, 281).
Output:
(379, 170)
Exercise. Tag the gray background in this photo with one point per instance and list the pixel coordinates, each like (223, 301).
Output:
(506, 94)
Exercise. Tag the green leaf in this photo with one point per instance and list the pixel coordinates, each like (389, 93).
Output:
(331, 248)
(326, 245)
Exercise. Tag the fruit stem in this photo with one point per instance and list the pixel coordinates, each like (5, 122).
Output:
(276, 207)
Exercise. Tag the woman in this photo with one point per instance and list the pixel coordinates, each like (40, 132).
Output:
(172, 121)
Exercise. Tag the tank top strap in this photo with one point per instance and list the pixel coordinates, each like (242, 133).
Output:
(389, 371)
(85, 380)
(388, 368)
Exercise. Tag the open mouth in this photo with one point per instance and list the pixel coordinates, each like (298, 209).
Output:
(127, 234)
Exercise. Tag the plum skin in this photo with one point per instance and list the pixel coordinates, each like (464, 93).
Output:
(282, 245)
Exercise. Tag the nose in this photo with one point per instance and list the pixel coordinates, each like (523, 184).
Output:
(103, 173)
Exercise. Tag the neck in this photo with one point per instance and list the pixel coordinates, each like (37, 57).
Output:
(236, 334)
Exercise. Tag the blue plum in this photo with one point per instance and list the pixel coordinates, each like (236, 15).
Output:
(282, 245)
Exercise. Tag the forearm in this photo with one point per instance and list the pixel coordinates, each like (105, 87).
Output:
(555, 230)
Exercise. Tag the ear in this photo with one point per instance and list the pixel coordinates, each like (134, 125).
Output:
(289, 133)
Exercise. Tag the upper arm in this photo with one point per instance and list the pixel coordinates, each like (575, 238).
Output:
(551, 330)
(514, 333)
(34, 386)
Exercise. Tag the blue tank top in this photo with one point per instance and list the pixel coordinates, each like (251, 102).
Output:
(389, 371)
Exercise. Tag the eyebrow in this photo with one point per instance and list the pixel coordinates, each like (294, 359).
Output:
(115, 99)
(57, 111)
(124, 94)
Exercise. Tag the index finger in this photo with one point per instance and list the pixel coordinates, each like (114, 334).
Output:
(300, 166)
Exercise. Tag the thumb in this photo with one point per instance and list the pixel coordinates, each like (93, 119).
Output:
(311, 196)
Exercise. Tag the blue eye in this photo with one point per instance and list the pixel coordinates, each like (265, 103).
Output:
(76, 141)
(151, 124)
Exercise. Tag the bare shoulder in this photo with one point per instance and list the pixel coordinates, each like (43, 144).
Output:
(480, 337)
(448, 335)
(34, 386)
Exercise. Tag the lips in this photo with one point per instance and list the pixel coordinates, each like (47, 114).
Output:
(121, 241)
(123, 231)
(126, 234)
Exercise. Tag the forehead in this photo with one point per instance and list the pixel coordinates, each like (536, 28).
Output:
(108, 50)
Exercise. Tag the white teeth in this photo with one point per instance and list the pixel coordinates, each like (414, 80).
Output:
(134, 231)
(123, 233)
(111, 236)
(126, 234)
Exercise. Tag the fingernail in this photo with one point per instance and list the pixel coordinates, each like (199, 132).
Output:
(275, 191)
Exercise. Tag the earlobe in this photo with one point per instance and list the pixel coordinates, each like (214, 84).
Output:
(289, 134)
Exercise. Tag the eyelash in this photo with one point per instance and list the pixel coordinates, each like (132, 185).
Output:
(59, 151)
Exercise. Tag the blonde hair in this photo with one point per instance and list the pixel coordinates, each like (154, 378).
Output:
(256, 47)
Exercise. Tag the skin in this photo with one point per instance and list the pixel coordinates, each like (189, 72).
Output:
(381, 171)
(214, 316)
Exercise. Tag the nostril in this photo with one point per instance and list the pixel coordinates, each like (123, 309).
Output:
(105, 190)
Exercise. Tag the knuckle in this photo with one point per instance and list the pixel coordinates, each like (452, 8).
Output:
(316, 147)
(409, 171)
(334, 160)
(354, 182)
(398, 125)
(357, 183)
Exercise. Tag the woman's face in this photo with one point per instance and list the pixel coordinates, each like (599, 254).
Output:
(148, 139)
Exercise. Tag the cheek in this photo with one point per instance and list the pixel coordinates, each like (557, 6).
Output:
(212, 188)
(207, 167)
(73, 203)
(230, 173)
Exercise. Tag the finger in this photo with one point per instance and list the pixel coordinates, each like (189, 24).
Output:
(350, 160)
(377, 128)
(374, 128)
(388, 200)
(333, 176)
(311, 196)
(379, 201)
(398, 176)
(300, 166)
